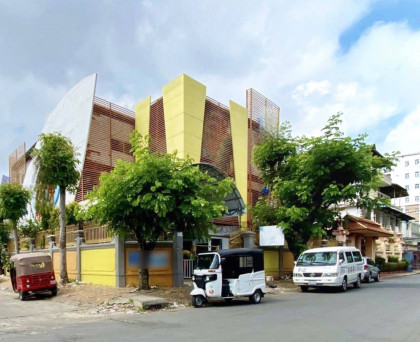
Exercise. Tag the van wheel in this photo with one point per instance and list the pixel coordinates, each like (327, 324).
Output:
(22, 295)
(343, 286)
(304, 288)
(54, 291)
(357, 283)
(255, 298)
(198, 301)
(377, 277)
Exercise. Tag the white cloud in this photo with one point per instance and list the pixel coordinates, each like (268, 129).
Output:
(405, 136)
(288, 51)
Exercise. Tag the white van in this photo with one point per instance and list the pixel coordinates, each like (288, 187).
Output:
(328, 266)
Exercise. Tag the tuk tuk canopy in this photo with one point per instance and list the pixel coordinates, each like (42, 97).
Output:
(31, 263)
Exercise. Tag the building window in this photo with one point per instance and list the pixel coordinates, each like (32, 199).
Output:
(407, 163)
(407, 175)
(417, 198)
(416, 186)
(407, 199)
(416, 162)
(407, 187)
(416, 174)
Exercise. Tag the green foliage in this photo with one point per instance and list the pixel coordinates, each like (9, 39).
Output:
(393, 258)
(310, 177)
(156, 196)
(29, 228)
(13, 201)
(57, 162)
(4, 232)
(380, 262)
(74, 214)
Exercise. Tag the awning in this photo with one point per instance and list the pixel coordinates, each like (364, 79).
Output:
(397, 213)
(394, 191)
(365, 227)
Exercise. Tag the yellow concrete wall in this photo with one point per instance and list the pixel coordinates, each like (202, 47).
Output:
(98, 266)
(183, 103)
(288, 262)
(71, 264)
(239, 128)
(142, 116)
(271, 263)
(157, 276)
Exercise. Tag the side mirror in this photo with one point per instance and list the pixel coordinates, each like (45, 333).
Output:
(340, 261)
(295, 262)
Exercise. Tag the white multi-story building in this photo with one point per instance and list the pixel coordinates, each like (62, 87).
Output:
(407, 173)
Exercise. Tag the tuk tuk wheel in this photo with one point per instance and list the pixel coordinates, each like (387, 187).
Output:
(22, 295)
(256, 297)
(54, 291)
(198, 301)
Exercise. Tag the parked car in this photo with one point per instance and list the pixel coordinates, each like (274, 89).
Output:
(370, 270)
(328, 266)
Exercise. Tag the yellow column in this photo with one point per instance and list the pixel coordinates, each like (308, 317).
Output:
(142, 116)
(183, 104)
(239, 128)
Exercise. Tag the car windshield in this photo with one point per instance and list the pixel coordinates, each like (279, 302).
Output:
(318, 258)
(208, 262)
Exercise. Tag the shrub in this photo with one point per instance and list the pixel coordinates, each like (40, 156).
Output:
(403, 265)
(380, 262)
(393, 258)
(390, 267)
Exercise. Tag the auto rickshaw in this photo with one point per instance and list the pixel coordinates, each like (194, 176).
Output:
(229, 274)
(32, 272)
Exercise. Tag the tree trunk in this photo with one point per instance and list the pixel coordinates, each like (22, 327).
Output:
(143, 270)
(63, 257)
(16, 237)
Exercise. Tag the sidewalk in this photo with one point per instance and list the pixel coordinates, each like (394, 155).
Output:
(385, 275)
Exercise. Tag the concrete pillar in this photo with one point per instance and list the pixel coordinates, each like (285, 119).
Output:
(31, 244)
(178, 266)
(370, 246)
(281, 261)
(51, 244)
(119, 244)
(80, 239)
(248, 237)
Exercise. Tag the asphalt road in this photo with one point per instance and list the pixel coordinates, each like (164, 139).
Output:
(384, 311)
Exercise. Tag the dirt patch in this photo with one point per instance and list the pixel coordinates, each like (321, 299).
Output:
(105, 299)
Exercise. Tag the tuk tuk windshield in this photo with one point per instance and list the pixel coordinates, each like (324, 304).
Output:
(208, 262)
(317, 259)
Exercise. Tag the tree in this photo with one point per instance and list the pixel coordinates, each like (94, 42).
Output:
(4, 239)
(14, 200)
(155, 197)
(58, 167)
(74, 215)
(310, 177)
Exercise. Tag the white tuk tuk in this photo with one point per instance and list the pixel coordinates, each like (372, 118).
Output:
(228, 274)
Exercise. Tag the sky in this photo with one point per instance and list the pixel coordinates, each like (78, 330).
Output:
(313, 58)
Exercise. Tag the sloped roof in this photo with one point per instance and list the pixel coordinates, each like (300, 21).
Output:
(365, 227)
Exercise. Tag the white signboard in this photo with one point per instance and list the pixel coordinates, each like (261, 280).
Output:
(271, 236)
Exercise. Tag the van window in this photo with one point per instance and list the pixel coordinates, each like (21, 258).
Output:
(357, 256)
(319, 258)
(349, 257)
(341, 257)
